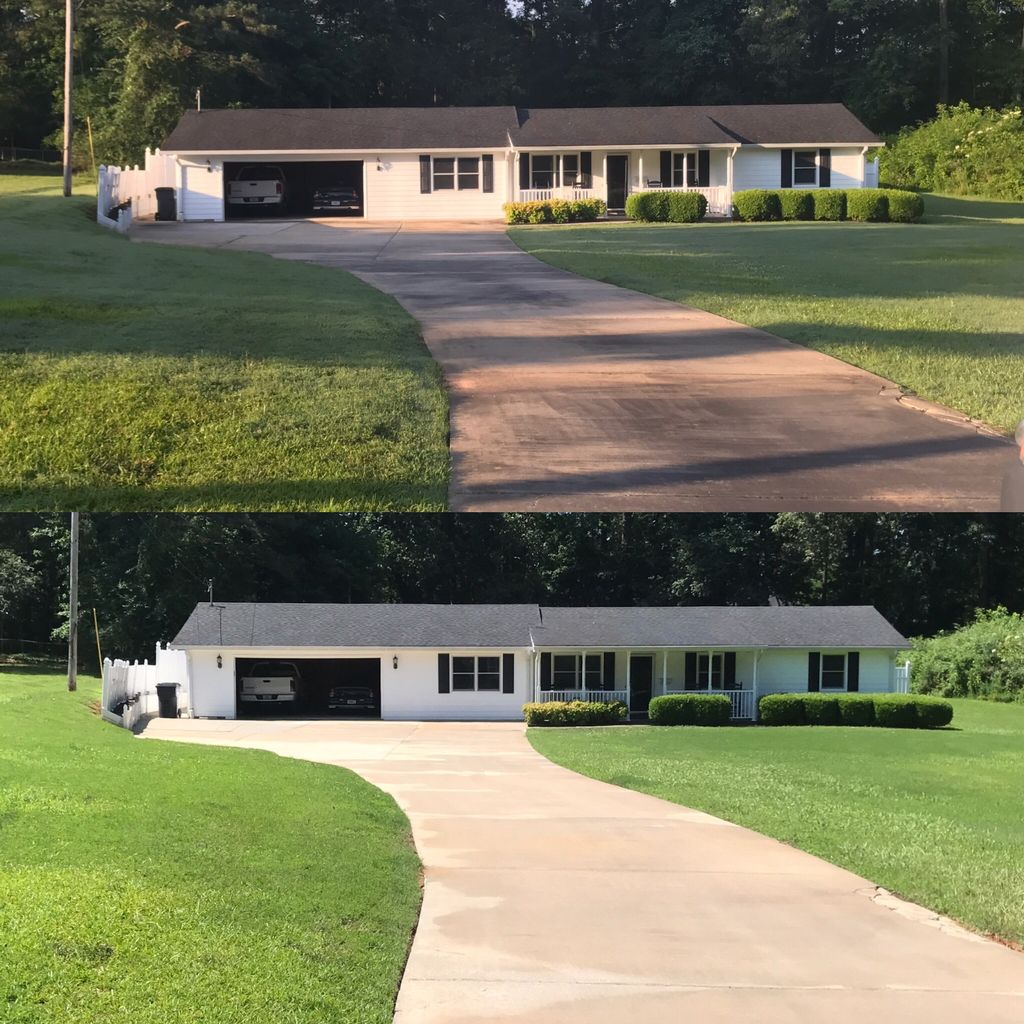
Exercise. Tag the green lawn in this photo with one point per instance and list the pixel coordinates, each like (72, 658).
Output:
(152, 882)
(152, 377)
(937, 307)
(937, 817)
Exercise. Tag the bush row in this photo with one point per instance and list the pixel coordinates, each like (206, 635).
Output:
(555, 211)
(864, 204)
(575, 712)
(891, 710)
(674, 207)
(690, 709)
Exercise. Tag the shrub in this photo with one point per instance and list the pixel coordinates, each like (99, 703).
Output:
(829, 204)
(796, 204)
(555, 211)
(932, 712)
(895, 711)
(782, 709)
(690, 709)
(538, 213)
(587, 209)
(757, 204)
(867, 204)
(821, 709)
(560, 211)
(686, 207)
(904, 207)
(575, 712)
(855, 709)
(648, 206)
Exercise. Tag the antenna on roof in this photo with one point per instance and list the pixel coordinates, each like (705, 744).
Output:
(209, 587)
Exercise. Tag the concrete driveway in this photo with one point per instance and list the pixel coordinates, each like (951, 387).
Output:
(571, 394)
(554, 899)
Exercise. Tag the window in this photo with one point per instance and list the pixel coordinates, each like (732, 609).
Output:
(571, 169)
(569, 671)
(709, 672)
(476, 673)
(833, 671)
(805, 167)
(469, 172)
(543, 171)
(444, 173)
(684, 170)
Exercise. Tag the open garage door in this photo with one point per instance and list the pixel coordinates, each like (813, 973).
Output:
(322, 687)
(318, 188)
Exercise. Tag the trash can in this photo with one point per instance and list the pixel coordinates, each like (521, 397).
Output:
(166, 206)
(167, 695)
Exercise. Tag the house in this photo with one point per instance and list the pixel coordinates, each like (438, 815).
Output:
(463, 163)
(424, 661)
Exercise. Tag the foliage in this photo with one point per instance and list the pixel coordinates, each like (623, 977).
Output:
(829, 203)
(867, 204)
(554, 211)
(111, 892)
(963, 150)
(661, 206)
(933, 815)
(893, 710)
(184, 378)
(797, 203)
(904, 207)
(575, 713)
(984, 658)
(757, 204)
(690, 709)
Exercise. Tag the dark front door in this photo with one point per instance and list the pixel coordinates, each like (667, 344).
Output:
(641, 675)
(617, 166)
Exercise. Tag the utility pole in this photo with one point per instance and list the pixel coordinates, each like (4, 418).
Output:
(69, 70)
(73, 608)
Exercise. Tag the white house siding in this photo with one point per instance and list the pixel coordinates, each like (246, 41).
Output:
(757, 168)
(201, 195)
(847, 168)
(408, 693)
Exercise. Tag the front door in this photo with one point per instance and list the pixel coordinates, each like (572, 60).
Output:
(641, 677)
(617, 170)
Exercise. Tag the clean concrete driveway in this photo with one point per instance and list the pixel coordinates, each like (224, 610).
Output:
(551, 898)
(571, 394)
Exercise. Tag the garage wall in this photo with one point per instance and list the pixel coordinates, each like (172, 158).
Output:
(409, 692)
(201, 193)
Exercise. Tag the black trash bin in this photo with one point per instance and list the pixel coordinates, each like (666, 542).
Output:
(167, 695)
(166, 206)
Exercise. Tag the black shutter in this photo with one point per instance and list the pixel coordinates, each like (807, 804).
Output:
(609, 670)
(487, 172)
(787, 167)
(666, 167)
(556, 169)
(586, 170)
(690, 675)
(813, 672)
(825, 168)
(524, 170)
(444, 680)
(424, 173)
(508, 673)
(703, 168)
(853, 671)
(730, 670)
(545, 670)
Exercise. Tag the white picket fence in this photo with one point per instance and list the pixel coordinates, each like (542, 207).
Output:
(134, 185)
(871, 173)
(129, 689)
(901, 678)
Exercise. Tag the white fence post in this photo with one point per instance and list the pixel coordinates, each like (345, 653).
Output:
(133, 185)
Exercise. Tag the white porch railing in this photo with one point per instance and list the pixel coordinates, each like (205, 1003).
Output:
(742, 701)
(588, 695)
(901, 678)
(534, 195)
(719, 197)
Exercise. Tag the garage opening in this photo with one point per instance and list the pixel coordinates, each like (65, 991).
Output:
(303, 188)
(308, 687)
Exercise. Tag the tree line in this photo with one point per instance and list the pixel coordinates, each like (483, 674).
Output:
(140, 62)
(144, 573)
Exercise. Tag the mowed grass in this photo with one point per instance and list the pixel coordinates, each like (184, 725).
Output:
(937, 307)
(138, 376)
(936, 816)
(150, 881)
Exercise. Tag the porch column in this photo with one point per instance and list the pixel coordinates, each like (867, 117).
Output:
(583, 674)
(753, 685)
(628, 690)
(664, 671)
(640, 169)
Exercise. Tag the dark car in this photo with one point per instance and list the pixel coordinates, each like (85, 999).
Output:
(351, 698)
(336, 199)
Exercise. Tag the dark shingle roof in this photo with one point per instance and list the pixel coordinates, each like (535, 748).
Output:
(251, 624)
(427, 128)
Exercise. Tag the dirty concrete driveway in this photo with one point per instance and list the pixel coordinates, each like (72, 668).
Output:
(550, 898)
(572, 394)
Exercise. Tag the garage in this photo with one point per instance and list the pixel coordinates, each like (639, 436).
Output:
(321, 188)
(307, 687)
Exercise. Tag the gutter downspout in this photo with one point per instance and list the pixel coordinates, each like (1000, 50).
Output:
(510, 188)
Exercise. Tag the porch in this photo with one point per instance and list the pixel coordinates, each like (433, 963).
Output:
(719, 197)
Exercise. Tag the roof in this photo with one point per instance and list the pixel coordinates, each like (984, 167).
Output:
(255, 624)
(481, 128)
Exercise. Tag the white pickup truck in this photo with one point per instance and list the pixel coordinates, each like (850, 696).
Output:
(258, 185)
(271, 681)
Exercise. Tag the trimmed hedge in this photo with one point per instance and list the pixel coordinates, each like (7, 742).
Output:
(891, 710)
(576, 712)
(690, 709)
(758, 204)
(555, 211)
(904, 207)
(867, 204)
(829, 204)
(796, 204)
(662, 207)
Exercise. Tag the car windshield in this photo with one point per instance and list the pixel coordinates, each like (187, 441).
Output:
(257, 173)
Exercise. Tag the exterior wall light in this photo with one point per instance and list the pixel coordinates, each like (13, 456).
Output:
(394, 661)
(220, 661)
